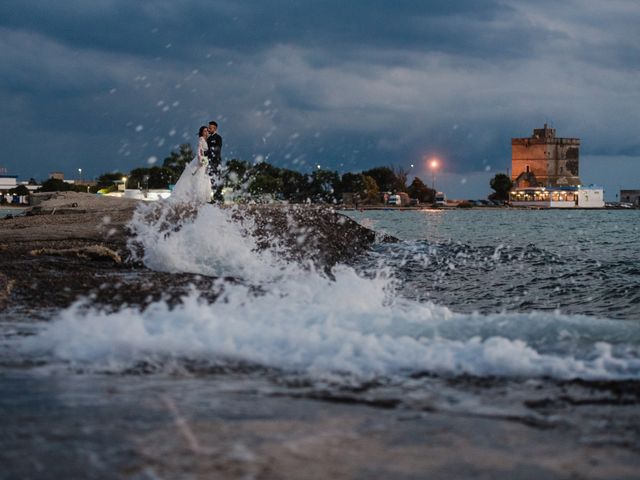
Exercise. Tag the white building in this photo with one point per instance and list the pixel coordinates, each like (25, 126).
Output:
(590, 197)
(7, 182)
(558, 197)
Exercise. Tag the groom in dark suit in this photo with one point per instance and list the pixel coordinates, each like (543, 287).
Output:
(214, 142)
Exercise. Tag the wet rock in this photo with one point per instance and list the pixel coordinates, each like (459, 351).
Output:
(6, 285)
(305, 233)
(75, 245)
(90, 252)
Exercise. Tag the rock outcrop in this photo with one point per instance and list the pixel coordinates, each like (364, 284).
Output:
(74, 245)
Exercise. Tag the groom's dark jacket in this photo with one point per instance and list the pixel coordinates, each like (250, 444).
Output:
(214, 153)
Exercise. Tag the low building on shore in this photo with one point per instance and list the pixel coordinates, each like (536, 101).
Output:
(7, 182)
(630, 196)
(558, 197)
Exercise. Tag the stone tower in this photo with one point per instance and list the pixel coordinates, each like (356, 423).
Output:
(545, 160)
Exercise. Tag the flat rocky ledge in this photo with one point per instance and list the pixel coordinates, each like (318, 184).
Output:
(72, 245)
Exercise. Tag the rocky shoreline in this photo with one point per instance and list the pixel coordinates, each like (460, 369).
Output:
(242, 421)
(73, 245)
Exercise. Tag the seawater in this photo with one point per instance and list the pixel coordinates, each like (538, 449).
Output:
(488, 260)
(15, 211)
(486, 294)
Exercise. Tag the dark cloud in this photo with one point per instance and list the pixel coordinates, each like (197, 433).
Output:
(349, 85)
(169, 29)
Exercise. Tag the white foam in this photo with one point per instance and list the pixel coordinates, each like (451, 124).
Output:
(322, 327)
(211, 243)
(302, 321)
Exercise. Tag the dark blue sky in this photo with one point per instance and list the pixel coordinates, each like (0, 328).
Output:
(113, 85)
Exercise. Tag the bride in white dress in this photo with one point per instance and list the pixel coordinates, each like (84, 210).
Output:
(194, 185)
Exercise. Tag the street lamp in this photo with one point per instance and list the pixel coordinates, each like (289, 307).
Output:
(80, 174)
(433, 165)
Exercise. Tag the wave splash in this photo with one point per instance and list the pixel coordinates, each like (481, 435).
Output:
(181, 237)
(302, 321)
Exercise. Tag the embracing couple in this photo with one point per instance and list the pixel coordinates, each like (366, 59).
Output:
(201, 178)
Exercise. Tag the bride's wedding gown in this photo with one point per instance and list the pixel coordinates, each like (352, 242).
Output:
(194, 185)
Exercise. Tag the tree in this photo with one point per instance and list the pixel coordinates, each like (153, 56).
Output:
(108, 180)
(295, 185)
(264, 179)
(19, 190)
(401, 179)
(157, 177)
(351, 183)
(265, 184)
(236, 174)
(501, 183)
(55, 185)
(419, 190)
(385, 179)
(264, 168)
(176, 161)
(371, 191)
(323, 185)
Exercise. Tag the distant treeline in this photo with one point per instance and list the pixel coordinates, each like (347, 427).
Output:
(262, 180)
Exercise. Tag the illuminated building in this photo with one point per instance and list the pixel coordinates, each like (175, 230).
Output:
(544, 160)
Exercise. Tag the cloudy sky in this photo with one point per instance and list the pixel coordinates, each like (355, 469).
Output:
(107, 85)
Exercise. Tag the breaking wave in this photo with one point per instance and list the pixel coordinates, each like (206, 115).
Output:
(301, 320)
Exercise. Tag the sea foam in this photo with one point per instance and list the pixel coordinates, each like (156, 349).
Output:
(322, 327)
(303, 321)
(172, 238)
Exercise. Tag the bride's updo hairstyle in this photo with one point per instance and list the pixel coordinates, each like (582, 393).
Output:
(202, 129)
